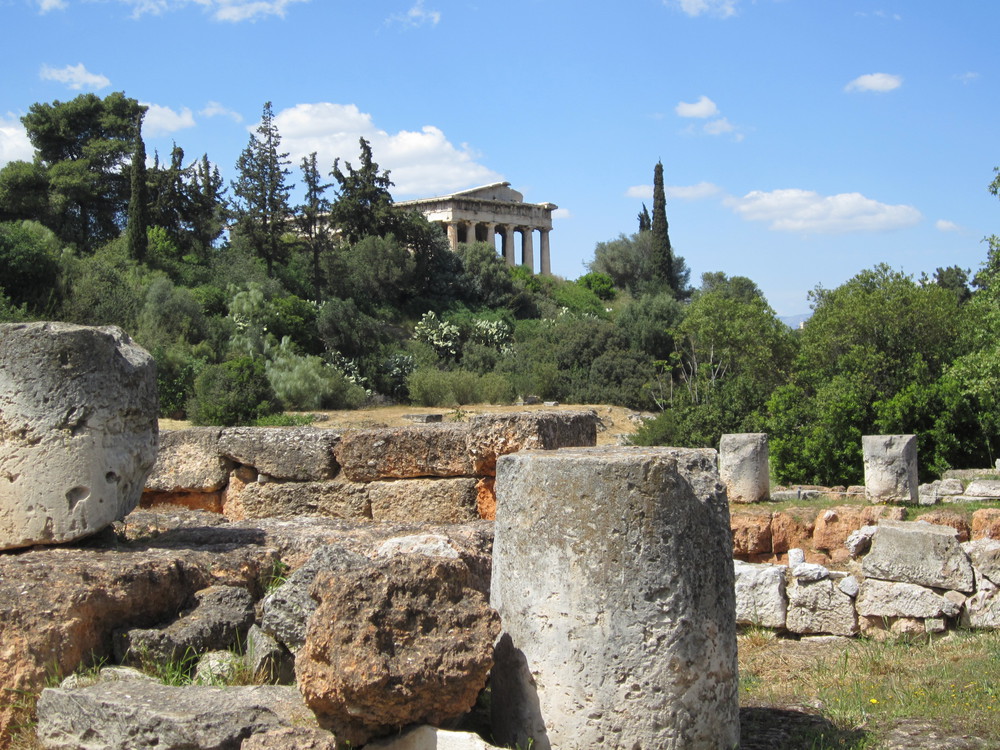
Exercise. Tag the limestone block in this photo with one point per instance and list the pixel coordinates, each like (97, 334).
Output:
(300, 454)
(403, 640)
(141, 715)
(949, 487)
(189, 461)
(982, 610)
(432, 545)
(983, 488)
(810, 572)
(850, 586)
(613, 575)
(267, 660)
(751, 533)
(78, 430)
(743, 467)
(217, 668)
(495, 435)
(820, 607)
(890, 468)
(291, 738)
(430, 450)
(335, 499)
(890, 599)
(834, 525)
(986, 523)
(858, 542)
(432, 738)
(424, 500)
(950, 518)
(984, 554)
(920, 553)
(760, 595)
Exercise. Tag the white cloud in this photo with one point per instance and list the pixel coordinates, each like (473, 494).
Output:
(416, 16)
(967, 77)
(719, 8)
(692, 192)
(562, 213)
(221, 10)
(719, 127)
(423, 163)
(704, 107)
(215, 109)
(640, 191)
(44, 6)
(880, 82)
(14, 143)
(794, 210)
(162, 120)
(943, 225)
(75, 76)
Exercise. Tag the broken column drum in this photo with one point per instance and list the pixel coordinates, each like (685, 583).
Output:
(743, 467)
(78, 430)
(613, 576)
(890, 468)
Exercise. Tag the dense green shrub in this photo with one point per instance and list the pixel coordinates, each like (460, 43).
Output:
(431, 387)
(233, 393)
(305, 382)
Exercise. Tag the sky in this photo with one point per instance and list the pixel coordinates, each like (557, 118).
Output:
(802, 140)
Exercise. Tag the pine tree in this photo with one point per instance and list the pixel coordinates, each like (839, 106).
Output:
(662, 253)
(138, 218)
(261, 192)
(313, 218)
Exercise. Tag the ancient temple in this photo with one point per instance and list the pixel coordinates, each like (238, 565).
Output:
(482, 213)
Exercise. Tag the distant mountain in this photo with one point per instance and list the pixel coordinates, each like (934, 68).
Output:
(795, 321)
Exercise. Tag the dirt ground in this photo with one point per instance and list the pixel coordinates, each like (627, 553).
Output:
(616, 421)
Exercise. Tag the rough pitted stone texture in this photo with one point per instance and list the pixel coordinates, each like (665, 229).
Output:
(820, 607)
(140, 715)
(887, 599)
(432, 545)
(300, 454)
(220, 617)
(334, 499)
(920, 553)
(486, 498)
(890, 468)
(430, 450)
(833, 526)
(982, 610)
(217, 668)
(291, 738)
(267, 660)
(78, 430)
(743, 467)
(860, 541)
(209, 501)
(287, 608)
(424, 500)
(189, 461)
(613, 575)
(494, 435)
(984, 554)
(432, 738)
(760, 595)
(986, 523)
(950, 518)
(403, 640)
(789, 530)
(983, 488)
(751, 534)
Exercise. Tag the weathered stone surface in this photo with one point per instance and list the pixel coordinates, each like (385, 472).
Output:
(403, 640)
(217, 668)
(189, 461)
(432, 738)
(287, 608)
(494, 435)
(219, 617)
(890, 468)
(889, 599)
(949, 487)
(140, 715)
(760, 595)
(751, 533)
(950, 518)
(424, 500)
(267, 660)
(920, 553)
(486, 498)
(850, 586)
(300, 454)
(104, 674)
(789, 530)
(810, 572)
(431, 450)
(982, 610)
(291, 738)
(986, 523)
(984, 554)
(833, 526)
(820, 607)
(743, 467)
(78, 430)
(335, 499)
(613, 575)
(209, 501)
(432, 545)
(983, 488)
(858, 542)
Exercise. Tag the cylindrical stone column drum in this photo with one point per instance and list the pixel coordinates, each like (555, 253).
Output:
(744, 468)
(613, 576)
(890, 468)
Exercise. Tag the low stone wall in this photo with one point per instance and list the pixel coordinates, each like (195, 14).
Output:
(424, 473)
(902, 577)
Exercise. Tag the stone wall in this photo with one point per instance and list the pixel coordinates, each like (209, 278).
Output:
(433, 473)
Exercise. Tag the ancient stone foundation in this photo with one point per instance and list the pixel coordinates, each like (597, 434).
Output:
(613, 576)
(78, 430)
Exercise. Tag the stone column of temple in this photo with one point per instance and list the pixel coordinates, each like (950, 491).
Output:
(527, 251)
(491, 229)
(508, 245)
(613, 576)
(546, 263)
(452, 234)
(470, 232)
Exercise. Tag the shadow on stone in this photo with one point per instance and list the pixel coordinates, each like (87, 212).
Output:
(521, 723)
(763, 728)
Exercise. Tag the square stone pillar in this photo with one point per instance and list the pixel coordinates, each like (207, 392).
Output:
(890, 468)
(743, 467)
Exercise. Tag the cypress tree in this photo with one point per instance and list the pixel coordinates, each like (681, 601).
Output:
(138, 216)
(662, 253)
(645, 223)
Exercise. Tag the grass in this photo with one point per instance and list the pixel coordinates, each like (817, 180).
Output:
(863, 687)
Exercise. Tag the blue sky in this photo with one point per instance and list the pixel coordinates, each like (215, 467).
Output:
(802, 140)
